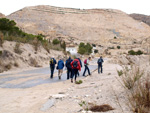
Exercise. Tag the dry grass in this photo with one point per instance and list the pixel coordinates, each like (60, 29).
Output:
(17, 48)
(130, 76)
(101, 108)
(140, 97)
(33, 62)
(36, 44)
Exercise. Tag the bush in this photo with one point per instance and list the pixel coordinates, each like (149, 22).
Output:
(17, 48)
(1, 53)
(95, 51)
(56, 41)
(36, 44)
(115, 37)
(132, 52)
(85, 49)
(111, 47)
(130, 76)
(16, 64)
(79, 82)
(140, 97)
(118, 47)
(1, 39)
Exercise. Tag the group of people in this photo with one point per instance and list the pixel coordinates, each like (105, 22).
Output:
(73, 67)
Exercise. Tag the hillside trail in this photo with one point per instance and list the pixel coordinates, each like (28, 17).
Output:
(98, 89)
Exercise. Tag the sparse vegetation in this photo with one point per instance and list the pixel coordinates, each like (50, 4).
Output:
(111, 47)
(130, 76)
(132, 52)
(140, 97)
(1, 39)
(115, 37)
(17, 48)
(120, 72)
(79, 82)
(95, 51)
(101, 108)
(56, 41)
(16, 64)
(1, 53)
(118, 47)
(33, 62)
(85, 49)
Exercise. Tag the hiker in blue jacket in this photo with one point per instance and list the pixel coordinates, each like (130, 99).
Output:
(60, 67)
(52, 63)
(100, 62)
(69, 68)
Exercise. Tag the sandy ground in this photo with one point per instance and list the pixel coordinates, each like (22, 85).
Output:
(66, 96)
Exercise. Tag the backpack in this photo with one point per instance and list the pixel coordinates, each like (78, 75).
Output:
(85, 61)
(52, 61)
(75, 64)
(100, 61)
(68, 64)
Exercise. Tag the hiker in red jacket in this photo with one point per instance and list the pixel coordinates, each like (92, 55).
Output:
(75, 64)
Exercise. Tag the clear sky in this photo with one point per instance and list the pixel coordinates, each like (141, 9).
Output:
(129, 6)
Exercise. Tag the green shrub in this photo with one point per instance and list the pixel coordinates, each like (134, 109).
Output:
(79, 82)
(111, 47)
(115, 37)
(1, 39)
(56, 41)
(118, 47)
(1, 53)
(95, 51)
(85, 49)
(132, 52)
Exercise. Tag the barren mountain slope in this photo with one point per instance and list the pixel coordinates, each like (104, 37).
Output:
(141, 17)
(1, 15)
(95, 25)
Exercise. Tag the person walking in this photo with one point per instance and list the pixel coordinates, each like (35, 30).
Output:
(60, 67)
(52, 63)
(100, 66)
(75, 64)
(69, 68)
(80, 64)
(86, 63)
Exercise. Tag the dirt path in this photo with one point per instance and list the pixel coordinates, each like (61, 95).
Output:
(64, 97)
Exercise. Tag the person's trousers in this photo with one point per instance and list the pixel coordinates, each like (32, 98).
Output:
(60, 71)
(52, 68)
(75, 72)
(69, 73)
(100, 67)
(86, 68)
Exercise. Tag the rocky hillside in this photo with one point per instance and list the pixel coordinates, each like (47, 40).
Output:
(98, 26)
(141, 17)
(1, 15)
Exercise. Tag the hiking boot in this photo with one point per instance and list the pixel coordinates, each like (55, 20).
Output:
(59, 77)
(71, 81)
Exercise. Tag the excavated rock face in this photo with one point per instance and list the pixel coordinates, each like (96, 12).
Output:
(96, 25)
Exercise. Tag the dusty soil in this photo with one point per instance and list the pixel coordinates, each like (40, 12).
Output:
(97, 88)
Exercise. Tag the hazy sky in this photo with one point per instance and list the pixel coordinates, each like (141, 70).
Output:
(128, 6)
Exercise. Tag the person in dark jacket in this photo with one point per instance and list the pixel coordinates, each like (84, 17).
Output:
(100, 62)
(60, 67)
(75, 64)
(52, 66)
(69, 68)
